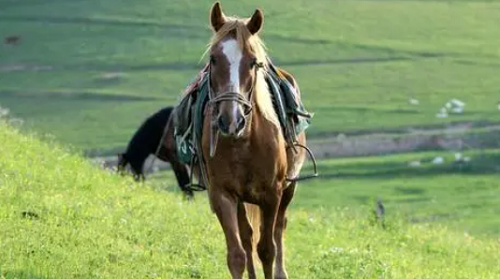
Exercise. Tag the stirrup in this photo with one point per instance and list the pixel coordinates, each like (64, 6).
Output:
(313, 159)
(191, 186)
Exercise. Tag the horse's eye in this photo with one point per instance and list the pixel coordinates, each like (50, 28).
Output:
(212, 59)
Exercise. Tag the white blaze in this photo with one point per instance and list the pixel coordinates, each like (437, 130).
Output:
(233, 53)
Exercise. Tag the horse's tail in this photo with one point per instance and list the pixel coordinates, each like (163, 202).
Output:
(254, 216)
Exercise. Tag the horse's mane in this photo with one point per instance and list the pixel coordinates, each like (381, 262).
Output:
(253, 43)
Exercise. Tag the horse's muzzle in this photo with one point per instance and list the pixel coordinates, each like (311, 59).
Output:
(231, 127)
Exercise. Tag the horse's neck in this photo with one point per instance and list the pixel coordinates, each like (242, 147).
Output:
(263, 101)
(263, 129)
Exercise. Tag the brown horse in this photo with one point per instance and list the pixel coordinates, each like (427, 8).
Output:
(246, 156)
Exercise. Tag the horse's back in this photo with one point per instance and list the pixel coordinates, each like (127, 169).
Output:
(290, 79)
(147, 137)
(152, 128)
(161, 117)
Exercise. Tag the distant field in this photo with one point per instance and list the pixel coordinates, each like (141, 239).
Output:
(462, 196)
(89, 72)
(61, 217)
(358, 62)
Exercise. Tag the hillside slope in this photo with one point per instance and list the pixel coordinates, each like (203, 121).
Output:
(98, 68)
(61, 217)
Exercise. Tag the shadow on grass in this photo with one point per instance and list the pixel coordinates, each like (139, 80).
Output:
(77, 96)
(364, 109)
(95, 21)
(19, 274)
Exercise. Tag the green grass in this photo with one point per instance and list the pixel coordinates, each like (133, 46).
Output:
(462, 196)
(90, 223)
(357, 62)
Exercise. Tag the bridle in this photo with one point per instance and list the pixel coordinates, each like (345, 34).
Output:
(228, 96)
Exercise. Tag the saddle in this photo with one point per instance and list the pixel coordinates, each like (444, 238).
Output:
(189, 113)
(183, 117)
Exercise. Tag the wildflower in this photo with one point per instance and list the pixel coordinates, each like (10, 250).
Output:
(438, 160)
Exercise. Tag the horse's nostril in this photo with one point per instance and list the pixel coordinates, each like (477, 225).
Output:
(222, 124)
(241, 123)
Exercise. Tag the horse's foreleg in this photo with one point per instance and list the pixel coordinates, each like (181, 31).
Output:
(266, 247)
(281, 220)
(225, 207)
(246, 233)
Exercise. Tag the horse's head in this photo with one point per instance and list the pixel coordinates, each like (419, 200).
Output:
(236, 54)
(122, 163)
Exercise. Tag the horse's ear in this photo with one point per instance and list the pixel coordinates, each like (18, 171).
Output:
(217, 17)
(255, 23)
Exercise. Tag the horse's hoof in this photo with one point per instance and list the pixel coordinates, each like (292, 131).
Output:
(189, 195)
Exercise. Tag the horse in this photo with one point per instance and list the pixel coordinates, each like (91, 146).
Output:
(246, 158)
(148, 140)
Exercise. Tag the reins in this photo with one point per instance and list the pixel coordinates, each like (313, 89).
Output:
(229, 96)
(213, 101)
(191, 186)
(247, 103)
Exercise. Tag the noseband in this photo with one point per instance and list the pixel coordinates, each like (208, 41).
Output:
(229, 96)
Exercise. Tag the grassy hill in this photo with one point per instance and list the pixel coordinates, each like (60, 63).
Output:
(62, 217)
(90, 71)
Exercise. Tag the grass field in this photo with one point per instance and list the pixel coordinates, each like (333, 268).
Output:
(87, 73)
(358, 62)
(464, 196)
(65, 218)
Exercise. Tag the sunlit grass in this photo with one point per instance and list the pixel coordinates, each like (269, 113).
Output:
(62, 217)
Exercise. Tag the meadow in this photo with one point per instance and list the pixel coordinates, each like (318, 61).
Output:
(62, 217)
(89, 72)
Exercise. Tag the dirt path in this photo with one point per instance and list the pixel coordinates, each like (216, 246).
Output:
(455, 137)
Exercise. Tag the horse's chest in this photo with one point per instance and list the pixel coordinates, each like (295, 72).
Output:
(250, 170)
(244, 167)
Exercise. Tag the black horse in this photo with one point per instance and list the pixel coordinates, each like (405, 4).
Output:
(149, 139)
